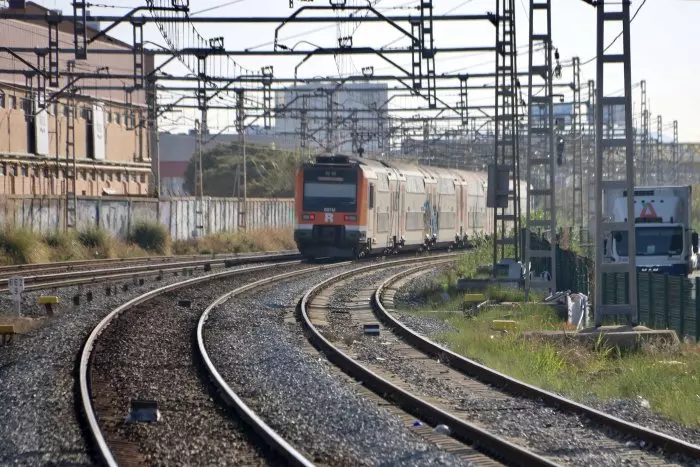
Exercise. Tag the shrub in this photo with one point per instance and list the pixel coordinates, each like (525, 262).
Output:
(93, 238)
(22, 246)
(151, 236)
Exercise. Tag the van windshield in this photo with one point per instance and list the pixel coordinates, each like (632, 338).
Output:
(652, 241)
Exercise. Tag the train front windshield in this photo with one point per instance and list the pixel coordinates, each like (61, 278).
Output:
(332, 190)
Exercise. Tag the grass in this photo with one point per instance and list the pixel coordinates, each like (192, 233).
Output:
(238, 242)
(667, 379)
(22, 246)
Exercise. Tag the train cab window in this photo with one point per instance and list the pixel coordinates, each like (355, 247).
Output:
(371, 195)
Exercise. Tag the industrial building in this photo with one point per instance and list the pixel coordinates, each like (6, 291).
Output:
(87, 141)
(341, 118)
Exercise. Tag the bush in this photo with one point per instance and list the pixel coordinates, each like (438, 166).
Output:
(151, 237)
(93, 238)
(22, 246)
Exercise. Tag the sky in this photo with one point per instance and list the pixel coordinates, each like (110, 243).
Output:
(664, 45)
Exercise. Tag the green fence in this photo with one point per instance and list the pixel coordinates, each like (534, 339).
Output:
(664, 302)
(572, 269)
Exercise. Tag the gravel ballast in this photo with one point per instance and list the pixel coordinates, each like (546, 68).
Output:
(37, 374)
(565, 437)
(296, 393)
(147, 353)
(633, 410)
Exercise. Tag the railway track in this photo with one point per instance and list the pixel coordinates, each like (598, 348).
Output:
(146, 348)
(438, 394)
(53, 280)
(74, 265)
(628, 442)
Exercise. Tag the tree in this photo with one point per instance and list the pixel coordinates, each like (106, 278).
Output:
(270, 172)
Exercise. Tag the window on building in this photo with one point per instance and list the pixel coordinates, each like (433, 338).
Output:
(46, 172)
(143, 178)
(2, 100)
(36, 171)
(86, 113)
(66, 110)
(3, 168)
(109, 117)
(111, 177)
(25, 170)
(13, 102)
(83, 175)
(26, 105)
(119, 176)
(133, 177)
(93, 175)
(13, 169)
(102, 176)
(117, 118)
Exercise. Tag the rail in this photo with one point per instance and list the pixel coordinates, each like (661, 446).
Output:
(493, 445)
(517, 387)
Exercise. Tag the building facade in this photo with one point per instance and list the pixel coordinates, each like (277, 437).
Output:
(336, 118)
(93, 133)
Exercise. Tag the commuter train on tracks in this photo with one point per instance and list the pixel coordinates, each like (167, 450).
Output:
(349, 207)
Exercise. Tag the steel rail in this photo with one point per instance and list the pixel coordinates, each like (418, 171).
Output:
(91, 276)
(519, 388)
(275, 441)
(95, 432)
(494, 446)
(14, 268)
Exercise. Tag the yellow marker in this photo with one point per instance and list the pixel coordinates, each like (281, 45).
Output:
(503, 324)
(474, 297)
(48, 300)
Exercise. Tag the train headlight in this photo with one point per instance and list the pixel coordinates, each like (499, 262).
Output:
(351, 217)
(308, 217)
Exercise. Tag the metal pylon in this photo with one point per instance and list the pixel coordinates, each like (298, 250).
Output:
(644, 136)
(541, 201)
(676, 155)
(198, 179)
(506, 214)
(577, 149)
(619, 15)
(658, 163)
(590, 170)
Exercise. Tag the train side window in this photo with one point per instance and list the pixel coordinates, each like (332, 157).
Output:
(371, 196)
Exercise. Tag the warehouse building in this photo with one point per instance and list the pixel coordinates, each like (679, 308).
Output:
(104, 132)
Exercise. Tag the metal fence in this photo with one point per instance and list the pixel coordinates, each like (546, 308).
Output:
(572, 270)
(665, 302)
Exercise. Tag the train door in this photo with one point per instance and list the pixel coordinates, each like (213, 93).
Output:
(402, 210)
(372, 215)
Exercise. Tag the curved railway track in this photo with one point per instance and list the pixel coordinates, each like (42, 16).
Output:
(170, 368)
(619, 441)
(632, 435)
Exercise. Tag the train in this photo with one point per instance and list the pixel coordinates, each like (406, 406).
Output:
(347, 207)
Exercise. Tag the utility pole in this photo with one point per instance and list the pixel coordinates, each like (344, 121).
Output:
(676, 155)
(644, 159)
(625, 180)
(660, 172)
(503, 173)
(240, 126)
(540, 147)
(577, 150)
(590, 168)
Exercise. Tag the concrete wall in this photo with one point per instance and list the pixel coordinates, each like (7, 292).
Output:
(117, 215)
